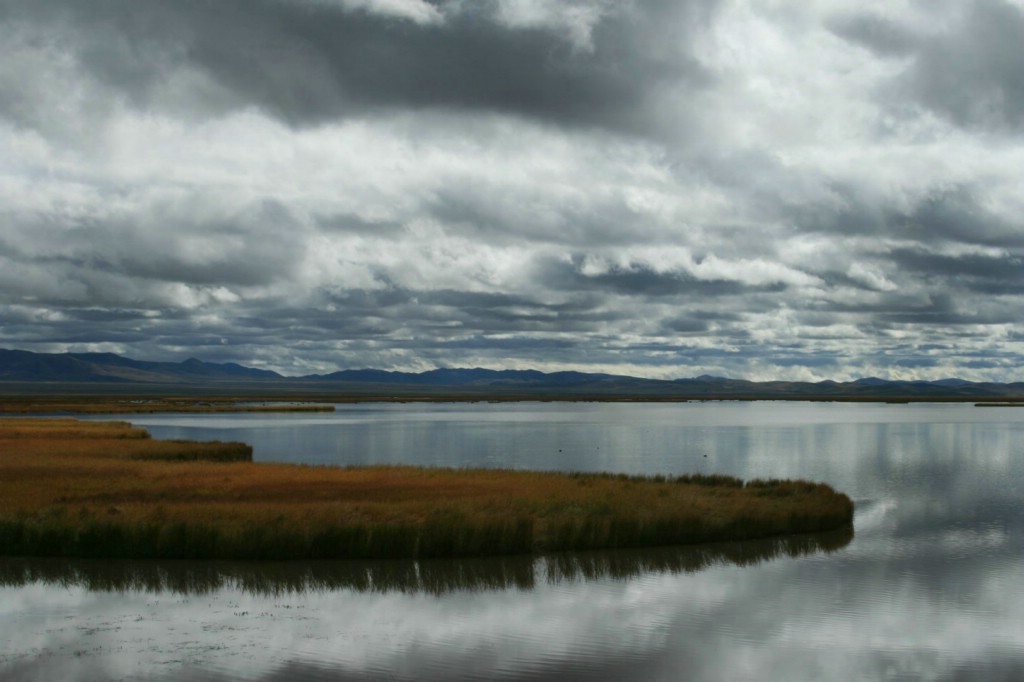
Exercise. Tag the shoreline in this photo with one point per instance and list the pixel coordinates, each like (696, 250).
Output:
(65, 399)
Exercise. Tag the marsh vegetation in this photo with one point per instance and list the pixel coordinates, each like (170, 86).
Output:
(105, 490)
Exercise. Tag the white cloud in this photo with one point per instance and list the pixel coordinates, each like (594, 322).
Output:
(870, 277)
(417, 11)
(577, 19)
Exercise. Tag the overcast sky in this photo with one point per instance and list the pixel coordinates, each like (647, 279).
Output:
(763, 189)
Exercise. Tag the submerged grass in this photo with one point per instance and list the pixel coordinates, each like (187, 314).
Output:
(105, 490)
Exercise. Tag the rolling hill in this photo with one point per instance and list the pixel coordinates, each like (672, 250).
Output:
(100, 372)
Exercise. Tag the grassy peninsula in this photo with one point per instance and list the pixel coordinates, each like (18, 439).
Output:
(106, 490)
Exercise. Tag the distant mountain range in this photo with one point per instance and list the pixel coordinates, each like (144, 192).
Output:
(20, 365)
(24, 370)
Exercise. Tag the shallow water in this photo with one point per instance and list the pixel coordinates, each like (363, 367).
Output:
(928, 588)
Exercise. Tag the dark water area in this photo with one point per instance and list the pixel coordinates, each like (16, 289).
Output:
(926, 587)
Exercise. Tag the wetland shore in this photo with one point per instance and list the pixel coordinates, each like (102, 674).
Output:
(108, 490)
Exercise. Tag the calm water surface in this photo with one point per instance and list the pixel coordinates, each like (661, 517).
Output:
(930, 587)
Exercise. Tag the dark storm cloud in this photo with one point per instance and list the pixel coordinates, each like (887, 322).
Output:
(686, 325)
(381, 299)
(353, 224)
(956, 214)
(982, 273)
(804, 359)
(504, 217)
(916, 363)
(985, 364)
(106, 315)
(411, 320)
(470, 312)
(501, 314)
(854, 215)
(883, 36)
(940, 309)
(936, 309)
(971, 70)
(89, 335)
(310, 324)
(313, 62)
(641, 280)
(977, 76)
(490, 344)
(171, 242)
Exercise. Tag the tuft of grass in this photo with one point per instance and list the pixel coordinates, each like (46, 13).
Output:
(107, 490)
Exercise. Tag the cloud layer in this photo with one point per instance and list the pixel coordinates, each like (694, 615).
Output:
(659, 188)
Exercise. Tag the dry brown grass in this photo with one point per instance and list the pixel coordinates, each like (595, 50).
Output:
(107, 489)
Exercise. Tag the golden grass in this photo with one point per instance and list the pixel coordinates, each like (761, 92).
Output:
(106, 489)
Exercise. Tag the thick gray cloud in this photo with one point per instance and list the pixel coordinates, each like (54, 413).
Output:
(308, 62)
(661, 188)
(969, 68)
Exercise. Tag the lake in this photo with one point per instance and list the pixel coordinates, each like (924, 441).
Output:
(927, 587)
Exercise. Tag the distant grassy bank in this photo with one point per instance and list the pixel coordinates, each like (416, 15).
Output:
(105, 490)
(27, 398)
(150, 405)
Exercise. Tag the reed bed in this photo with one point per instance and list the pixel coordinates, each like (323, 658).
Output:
(106, 490)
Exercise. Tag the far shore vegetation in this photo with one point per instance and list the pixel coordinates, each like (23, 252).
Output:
(58, 399)
(151, 405)
(107, 490)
